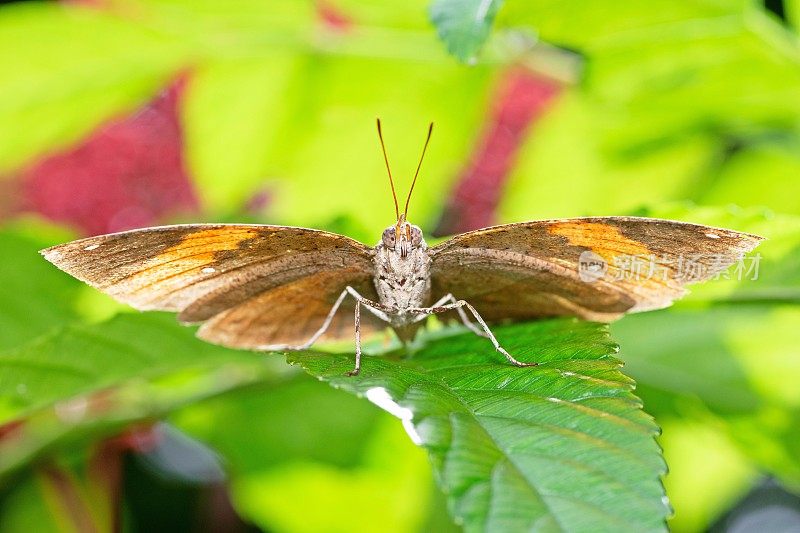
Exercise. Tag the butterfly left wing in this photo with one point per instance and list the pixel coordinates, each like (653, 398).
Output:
(533, 269)
(254, 285)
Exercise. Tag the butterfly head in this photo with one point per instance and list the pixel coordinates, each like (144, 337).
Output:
(403, 237)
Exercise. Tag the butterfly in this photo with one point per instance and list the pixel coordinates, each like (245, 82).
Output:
(265, 287)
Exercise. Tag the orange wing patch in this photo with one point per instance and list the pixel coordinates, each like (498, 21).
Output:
(194, 253)
(603, 239)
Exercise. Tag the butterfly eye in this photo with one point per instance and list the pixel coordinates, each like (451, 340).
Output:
(416, 236)
(388, 237)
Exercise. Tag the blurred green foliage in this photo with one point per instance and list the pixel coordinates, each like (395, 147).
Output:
(672, 102)
(353, 464)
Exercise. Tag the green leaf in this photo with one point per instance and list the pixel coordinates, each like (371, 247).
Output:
(53, 94)
(560, 446)
(34, 297)
(85, 381)
(464, 25)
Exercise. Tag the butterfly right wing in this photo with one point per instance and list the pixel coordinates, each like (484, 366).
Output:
(533, 269)
(253, 285)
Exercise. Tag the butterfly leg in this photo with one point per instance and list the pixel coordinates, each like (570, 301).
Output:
(488, 333)
(357, 321)
(461, 313)
(377, 309)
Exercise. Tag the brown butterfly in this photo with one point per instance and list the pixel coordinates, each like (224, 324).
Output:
(277, 287)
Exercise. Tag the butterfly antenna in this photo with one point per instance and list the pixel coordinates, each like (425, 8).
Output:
(391, 181)
(411, 190)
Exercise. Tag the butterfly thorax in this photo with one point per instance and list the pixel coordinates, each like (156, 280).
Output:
(402, 270)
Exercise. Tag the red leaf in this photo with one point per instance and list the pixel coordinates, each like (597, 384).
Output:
(128, 173)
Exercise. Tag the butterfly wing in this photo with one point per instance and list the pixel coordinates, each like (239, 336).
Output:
(542, 268)
(253, 285)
